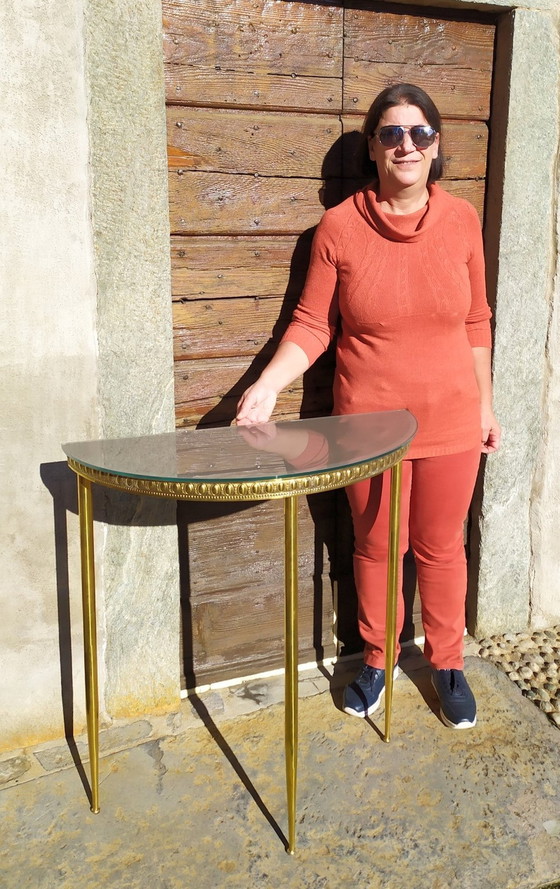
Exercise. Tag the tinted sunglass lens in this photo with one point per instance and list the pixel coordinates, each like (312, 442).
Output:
(390, 137)
(422, 137)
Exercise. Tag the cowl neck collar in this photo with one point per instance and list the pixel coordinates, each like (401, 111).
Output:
(387, 224)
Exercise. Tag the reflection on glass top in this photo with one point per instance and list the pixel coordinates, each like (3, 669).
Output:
(271, 450)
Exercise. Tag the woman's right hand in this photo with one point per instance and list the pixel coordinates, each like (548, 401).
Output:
(256, 404)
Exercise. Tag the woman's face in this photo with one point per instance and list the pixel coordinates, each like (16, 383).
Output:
(406, 166)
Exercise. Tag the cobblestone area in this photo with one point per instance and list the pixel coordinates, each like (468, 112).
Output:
(532, 661)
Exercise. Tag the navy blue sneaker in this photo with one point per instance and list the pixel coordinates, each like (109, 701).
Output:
(363, 696)
(457, 703)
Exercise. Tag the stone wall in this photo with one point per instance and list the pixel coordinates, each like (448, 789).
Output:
(124, 75)
(86, 345)
(517, 583)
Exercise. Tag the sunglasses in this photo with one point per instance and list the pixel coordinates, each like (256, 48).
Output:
(422, 137)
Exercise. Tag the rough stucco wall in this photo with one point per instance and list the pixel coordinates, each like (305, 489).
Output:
(48, 375)
(85, 321)
(124, 71)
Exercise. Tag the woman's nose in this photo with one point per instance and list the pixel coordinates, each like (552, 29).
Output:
(407, 143)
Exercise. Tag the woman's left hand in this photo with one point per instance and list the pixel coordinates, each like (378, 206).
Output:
(490, 432)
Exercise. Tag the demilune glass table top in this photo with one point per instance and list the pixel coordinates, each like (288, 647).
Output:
(259, 462)
(265, 451)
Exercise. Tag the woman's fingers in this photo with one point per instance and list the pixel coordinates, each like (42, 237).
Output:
(255, 405)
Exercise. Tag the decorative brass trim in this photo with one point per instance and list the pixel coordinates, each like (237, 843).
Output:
(241, 490)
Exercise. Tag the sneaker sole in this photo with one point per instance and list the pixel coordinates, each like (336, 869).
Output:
(457, 725)
(373, 707)
(447, 722)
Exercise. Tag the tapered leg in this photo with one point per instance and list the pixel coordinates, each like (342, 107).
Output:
(85, 507)
(392, 593)
(291, 661)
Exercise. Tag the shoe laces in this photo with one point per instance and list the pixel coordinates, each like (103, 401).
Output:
(455, 682)
(368, 674)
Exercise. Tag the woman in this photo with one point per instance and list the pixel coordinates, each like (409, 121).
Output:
(397, 274)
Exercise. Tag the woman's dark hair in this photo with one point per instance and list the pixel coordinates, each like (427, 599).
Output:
(398, 94)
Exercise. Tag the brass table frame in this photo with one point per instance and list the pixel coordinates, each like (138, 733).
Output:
(286, 488)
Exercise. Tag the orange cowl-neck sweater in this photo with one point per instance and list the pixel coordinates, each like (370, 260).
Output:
(405, 297)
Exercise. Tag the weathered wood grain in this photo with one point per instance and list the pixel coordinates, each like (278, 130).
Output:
(267, 143)
(399, 37)
(239, 635)
(449, 58)
(465, 149)
(188, 85)
(470, 189)
(204, 380)
(274, 38)
(261, 532)
(218, 410)
(222, 411)
(458, 93)
(223, 328)
(229, 267)
(221, 203)
(235, 619)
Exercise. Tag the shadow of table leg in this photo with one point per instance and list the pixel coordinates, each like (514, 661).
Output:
(221, 742)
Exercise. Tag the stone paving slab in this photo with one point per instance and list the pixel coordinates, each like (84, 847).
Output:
(434, 809)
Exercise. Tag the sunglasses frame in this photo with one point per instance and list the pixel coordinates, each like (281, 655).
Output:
(404, 130)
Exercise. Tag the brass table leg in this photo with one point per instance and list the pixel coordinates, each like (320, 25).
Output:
(291, 661)
(85, 509)
(392, 593)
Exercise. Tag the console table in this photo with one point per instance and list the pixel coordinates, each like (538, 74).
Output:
(275, 460)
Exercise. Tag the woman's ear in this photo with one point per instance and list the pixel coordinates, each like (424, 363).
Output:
(435, 147)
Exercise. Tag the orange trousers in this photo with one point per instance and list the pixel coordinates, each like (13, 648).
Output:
(436, 493)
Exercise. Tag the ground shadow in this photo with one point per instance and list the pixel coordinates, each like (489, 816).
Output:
(110, 507)
(196, 700)
(210, 725)
(61, 483)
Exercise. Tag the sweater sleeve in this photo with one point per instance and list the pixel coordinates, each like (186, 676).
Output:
(315, 318)
(478, 320)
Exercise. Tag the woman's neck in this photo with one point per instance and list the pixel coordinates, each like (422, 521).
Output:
(402, 203)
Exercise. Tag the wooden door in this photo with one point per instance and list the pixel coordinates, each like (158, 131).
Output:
(264, 100)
